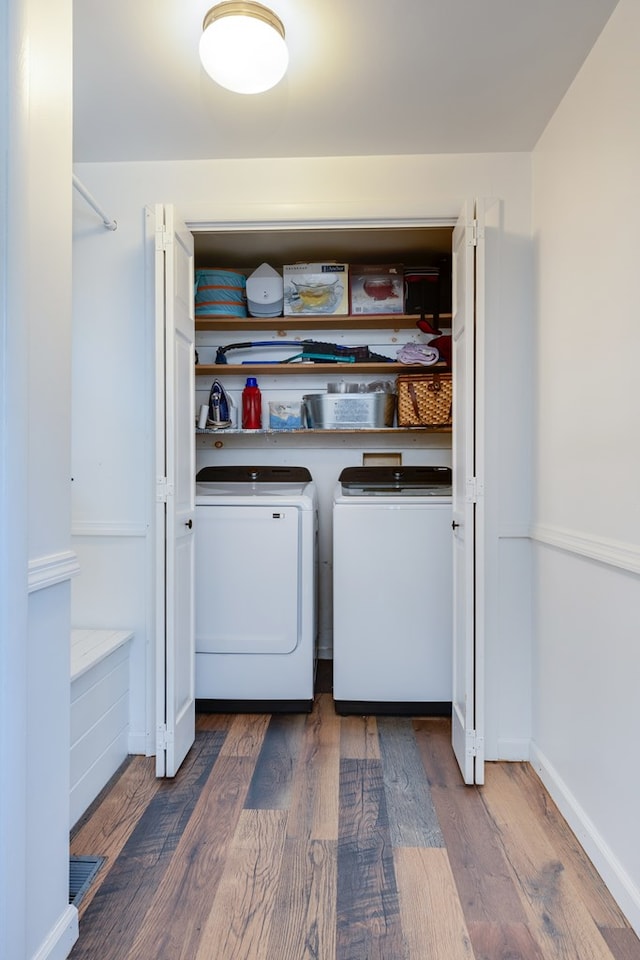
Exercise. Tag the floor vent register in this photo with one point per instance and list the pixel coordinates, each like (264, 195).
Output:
(82, 872)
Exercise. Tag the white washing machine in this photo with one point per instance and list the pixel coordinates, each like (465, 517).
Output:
(256, 571)
(392, 590)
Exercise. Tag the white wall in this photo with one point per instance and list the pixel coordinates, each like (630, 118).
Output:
(36, 561)
(587, 464)
(113, 393)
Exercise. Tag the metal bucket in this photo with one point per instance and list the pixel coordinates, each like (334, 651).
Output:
(350, 411)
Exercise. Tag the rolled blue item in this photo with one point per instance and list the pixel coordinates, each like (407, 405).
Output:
(220, 293)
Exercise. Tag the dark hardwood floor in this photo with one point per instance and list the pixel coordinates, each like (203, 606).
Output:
(318, 837)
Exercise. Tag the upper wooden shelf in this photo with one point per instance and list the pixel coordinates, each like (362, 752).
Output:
(276, 369)
(395, 321)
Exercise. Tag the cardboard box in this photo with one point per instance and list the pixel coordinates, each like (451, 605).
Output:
(285, 414)
(316, 289)
(376, 288)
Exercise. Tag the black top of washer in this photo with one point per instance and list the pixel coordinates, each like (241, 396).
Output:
(252, 474)
(395, 478)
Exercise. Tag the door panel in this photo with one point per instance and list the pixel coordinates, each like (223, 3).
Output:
(466, 736)
(175, 648)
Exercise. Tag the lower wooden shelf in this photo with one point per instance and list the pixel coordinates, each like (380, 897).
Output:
(308, 431)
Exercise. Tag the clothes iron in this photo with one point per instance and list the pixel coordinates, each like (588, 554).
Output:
(219, 405)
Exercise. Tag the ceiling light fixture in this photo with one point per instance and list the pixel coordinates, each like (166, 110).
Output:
(242, 46)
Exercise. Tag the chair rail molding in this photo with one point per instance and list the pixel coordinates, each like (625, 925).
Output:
(112, 528)
(55, 568)
(613, 553)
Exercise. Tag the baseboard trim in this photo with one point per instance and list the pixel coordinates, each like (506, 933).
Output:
(513, 750)
(616, 878)
(140, 744)
(61, 938)
(56, 568)
(613, 553)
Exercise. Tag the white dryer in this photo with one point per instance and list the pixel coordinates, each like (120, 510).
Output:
(256, 571)
(392, 590)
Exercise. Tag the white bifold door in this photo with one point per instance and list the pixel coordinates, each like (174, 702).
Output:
(478, 224)
(175, 507)
(175, 471)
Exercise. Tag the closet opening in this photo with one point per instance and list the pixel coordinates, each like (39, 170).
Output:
(325, 453)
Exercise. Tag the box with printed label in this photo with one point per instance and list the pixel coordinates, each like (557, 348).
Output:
(285, 414)
(376, 288)
(316, 289)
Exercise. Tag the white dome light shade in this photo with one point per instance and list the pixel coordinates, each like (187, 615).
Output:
(242, 46)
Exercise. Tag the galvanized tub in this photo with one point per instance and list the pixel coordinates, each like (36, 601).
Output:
(349, 411)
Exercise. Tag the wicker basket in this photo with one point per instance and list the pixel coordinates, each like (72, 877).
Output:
(424, 400)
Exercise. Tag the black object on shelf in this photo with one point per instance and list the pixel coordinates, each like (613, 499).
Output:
(422, 295)
(313, 351)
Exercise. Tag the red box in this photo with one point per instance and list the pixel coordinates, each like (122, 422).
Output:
(376, 288)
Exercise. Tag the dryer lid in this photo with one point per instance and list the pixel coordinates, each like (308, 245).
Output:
(393, 480)
(253, 474)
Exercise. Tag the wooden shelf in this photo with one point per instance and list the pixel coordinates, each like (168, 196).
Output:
(307, 431)
(276, 369)
(394, 321)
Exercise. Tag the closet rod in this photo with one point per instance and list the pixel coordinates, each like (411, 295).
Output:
(82, 190)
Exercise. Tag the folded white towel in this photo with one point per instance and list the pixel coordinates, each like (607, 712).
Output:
(418, 353)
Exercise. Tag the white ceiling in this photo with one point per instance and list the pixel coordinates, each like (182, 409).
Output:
(366, 77)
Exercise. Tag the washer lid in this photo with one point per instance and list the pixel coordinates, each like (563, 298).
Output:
(253, 474)
(400, 481)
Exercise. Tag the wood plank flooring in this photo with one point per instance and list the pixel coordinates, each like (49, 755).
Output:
(318, 837)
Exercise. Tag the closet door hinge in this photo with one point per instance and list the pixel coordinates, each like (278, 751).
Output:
(475, 490)
(164, 238)
(477, 232)
(164, 490)
(475, 744)
(162, 738)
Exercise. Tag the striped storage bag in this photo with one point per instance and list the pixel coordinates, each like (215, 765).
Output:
(220, 293)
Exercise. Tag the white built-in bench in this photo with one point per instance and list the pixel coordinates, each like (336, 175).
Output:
(99, 712)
